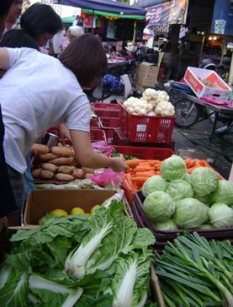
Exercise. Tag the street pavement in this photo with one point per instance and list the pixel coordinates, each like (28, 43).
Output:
(218, 150)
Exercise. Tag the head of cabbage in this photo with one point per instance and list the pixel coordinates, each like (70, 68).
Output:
(173, 168)
(221, 215)
(179, 189)
(204, 181)
(223, 193)
(154, 183)
(190, 213)
(168, 225)
(158, 206)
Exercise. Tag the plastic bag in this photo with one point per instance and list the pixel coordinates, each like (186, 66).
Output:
(103, 147)
(107, 177)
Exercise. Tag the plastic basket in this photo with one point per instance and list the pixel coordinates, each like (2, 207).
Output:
(165, 235)
(150, 129)
(109, 124)
(97, 135)
(120, 138)
(107, 110)
(94, 124)
(144, 153)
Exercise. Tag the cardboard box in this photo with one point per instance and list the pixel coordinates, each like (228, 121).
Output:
(196, 77)
(147, 74)
(40, 203)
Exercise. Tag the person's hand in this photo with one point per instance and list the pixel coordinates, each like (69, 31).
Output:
(118, 164)
(3, 224)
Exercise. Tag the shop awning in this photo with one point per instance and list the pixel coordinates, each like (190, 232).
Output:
(108, 6)
(103, 13)
(68, 19)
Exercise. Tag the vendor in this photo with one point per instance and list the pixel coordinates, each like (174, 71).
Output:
(49, 92)
(74, 31)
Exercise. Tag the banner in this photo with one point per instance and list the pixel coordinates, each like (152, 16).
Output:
(170, 12)
(222, 22)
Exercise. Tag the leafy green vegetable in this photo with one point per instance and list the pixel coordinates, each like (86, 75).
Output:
(154, 183)
(173, 168)
(179, 189)
(168, 225)
(204, 180)
(158, 206)
(13, 288)
(190, 213)
(205, 226)
(197, 272)
(131, 280)
(223, 193)
(221, 215)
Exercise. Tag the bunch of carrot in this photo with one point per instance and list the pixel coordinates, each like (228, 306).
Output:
(141, 170)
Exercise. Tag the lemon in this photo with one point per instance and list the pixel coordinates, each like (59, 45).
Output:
(59, 212)
(88, 214)
(77, 210)
(94, 208)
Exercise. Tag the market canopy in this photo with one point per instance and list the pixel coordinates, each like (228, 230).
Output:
(107, 6)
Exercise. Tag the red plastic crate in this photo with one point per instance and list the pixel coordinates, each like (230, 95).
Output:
(97, 135)
(107, 110)
(109, 124)
(153, 153)
(120, 138)
(150, 129)
(94, 124)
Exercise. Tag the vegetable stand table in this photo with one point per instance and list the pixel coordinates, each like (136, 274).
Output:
(218, 110)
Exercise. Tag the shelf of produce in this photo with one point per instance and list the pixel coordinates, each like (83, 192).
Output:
(167, 235)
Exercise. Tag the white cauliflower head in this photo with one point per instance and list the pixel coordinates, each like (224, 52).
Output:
(165, 108)
(149, 93)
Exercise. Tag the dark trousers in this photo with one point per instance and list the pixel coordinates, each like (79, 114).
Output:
(7, 200)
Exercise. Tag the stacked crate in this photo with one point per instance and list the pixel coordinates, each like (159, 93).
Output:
(145, 137)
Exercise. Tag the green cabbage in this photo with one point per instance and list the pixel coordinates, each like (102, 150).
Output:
(173, 168)
(159, 206)
(154, 183)
(204, 180)
(223, 193)
(221, 215)
(205, 226)
(168, 225)
(206, 199)
(179, 189)
(190, 213)
(187, 177)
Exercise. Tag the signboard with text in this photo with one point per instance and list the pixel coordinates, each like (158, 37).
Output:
(222, 22)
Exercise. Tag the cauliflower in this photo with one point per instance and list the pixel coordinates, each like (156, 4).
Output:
(149, 107)
(162, 96)
(149, 93)
(165, 108)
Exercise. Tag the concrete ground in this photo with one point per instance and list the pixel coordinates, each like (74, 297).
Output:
(218, 150)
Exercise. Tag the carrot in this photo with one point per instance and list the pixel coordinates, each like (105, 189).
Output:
(144, 174)
(132, 163)
(140, 179)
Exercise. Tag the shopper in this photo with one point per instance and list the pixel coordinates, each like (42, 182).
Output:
(74, 31)
(7, 201)
(49, 92)
(41, 22)
(13, 17)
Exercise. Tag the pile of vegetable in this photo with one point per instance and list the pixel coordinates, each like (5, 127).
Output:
(152, 103)
(141, 170)
(76, 261)
(196, 272)
(177, 199)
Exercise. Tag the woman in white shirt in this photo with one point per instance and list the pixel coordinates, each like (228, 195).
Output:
(39, 91)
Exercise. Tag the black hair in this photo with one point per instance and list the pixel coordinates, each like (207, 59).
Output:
(18, 38)
(4, 7)
(40, 19)
(86, 58)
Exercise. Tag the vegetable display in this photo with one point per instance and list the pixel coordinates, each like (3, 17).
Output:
(76, 261)
(195, 272)
(194, 196)
(152, 103)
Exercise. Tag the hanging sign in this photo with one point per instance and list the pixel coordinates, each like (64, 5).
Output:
(170, 12)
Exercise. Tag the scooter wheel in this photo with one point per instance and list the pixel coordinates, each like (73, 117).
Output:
(187, 113)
